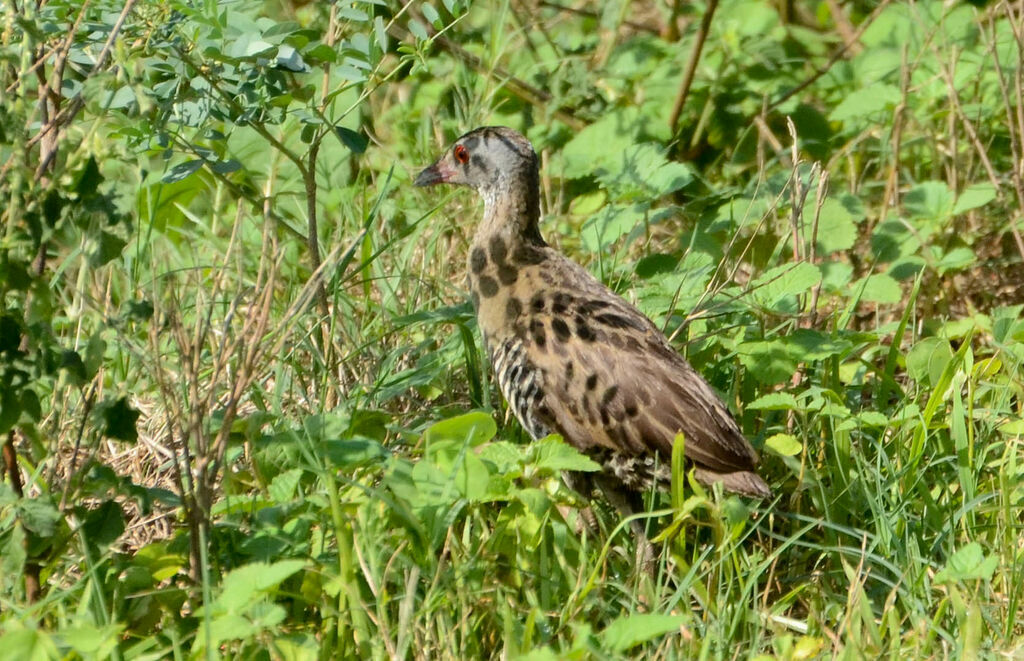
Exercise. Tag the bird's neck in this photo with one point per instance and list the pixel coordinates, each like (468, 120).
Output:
(512, 213)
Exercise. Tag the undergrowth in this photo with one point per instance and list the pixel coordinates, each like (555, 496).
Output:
(244, 404)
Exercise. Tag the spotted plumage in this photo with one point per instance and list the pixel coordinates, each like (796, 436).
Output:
(571, 356)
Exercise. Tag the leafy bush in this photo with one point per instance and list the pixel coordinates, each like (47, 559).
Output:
(242, 398)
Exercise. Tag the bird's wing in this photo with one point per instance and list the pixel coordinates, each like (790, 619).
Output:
(612, 380)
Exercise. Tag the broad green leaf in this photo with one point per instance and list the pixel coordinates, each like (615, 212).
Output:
(837, 229)
(182, 170)
(868, 101)
(28, 644)
(968, 563)
(628, 631)
(783, 444)
(783, 281)
(611, 224)
(977, 195)
(470, 429)
(927, 359)
(554, 455)
(930, 201)
(243, 585)
(776, 401)
(351, 453)
(956, 259)
(879, 288)
(770, 362)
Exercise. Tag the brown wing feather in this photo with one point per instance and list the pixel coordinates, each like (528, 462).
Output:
(627, 390)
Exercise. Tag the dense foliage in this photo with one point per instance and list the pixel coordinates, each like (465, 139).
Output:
(243, 402)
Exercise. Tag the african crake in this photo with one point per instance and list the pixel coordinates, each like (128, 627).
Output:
(570, 355)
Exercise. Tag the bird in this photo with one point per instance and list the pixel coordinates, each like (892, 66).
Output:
(570, 356)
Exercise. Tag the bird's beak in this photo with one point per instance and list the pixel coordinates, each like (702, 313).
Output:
(438, 173)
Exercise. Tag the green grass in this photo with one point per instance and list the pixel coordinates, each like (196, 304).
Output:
(226, 447)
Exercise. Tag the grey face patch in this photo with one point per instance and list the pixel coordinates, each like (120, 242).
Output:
(488, 287)
(478, 260)
(507, 274)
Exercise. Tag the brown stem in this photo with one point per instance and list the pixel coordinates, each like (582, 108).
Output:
(691, 66)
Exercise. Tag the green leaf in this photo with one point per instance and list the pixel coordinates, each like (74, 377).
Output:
(836, 227)
(968, 563)
(102, 525)
(354, 140)
(119, 420)
(879, 288)
(610, 225)
(931, 201)
(977, 195)
(555, 455)
(927, 360)
(956, 259)
(28, 644)
(182, 170)
(776, 401)
(866, 102)
(242, 586)
(628, 631)
(770, 362)
(783, 444)
(39, 516)
(352, 453)
(781, 282)
(471, 429)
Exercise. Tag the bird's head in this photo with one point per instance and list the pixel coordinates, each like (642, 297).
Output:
(490, 159)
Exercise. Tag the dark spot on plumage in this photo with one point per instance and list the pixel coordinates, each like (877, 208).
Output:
(616, 321)
(630, 406)
(488, 287)
(591, 381)
(568, 370)
(479, 163)
(507, 274)
(537, 303)
(584, 331)
(561, 303)
(498, 250)
(605, 418)
(539, 395)
(593, 305)
(609, 395)
(574, 410)
(561, 329)
(537, 331)
(527, 255)
(478, 260)
(513, 308)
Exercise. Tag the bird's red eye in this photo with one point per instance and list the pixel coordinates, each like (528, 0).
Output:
(461, 154)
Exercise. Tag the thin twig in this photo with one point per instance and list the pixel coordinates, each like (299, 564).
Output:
(691, 66)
